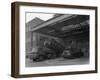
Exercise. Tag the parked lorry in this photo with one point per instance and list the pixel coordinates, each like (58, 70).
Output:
(72, 53)
(52, 49)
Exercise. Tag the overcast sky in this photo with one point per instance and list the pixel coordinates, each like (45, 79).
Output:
(43, 16)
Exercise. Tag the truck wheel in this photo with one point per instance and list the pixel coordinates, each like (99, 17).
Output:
(49, 56)
(39, 58)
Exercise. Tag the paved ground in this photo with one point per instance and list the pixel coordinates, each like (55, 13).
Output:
(57, 61)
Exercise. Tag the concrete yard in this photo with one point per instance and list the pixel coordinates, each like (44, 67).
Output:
(57, 62)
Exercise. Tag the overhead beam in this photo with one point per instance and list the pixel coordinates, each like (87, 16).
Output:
(46, 23)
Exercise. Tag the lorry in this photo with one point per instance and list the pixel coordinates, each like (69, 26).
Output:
(52, 49)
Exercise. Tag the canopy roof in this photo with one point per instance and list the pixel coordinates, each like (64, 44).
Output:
(64, 25)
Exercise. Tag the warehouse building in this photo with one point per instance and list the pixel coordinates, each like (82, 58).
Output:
(65, 28)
